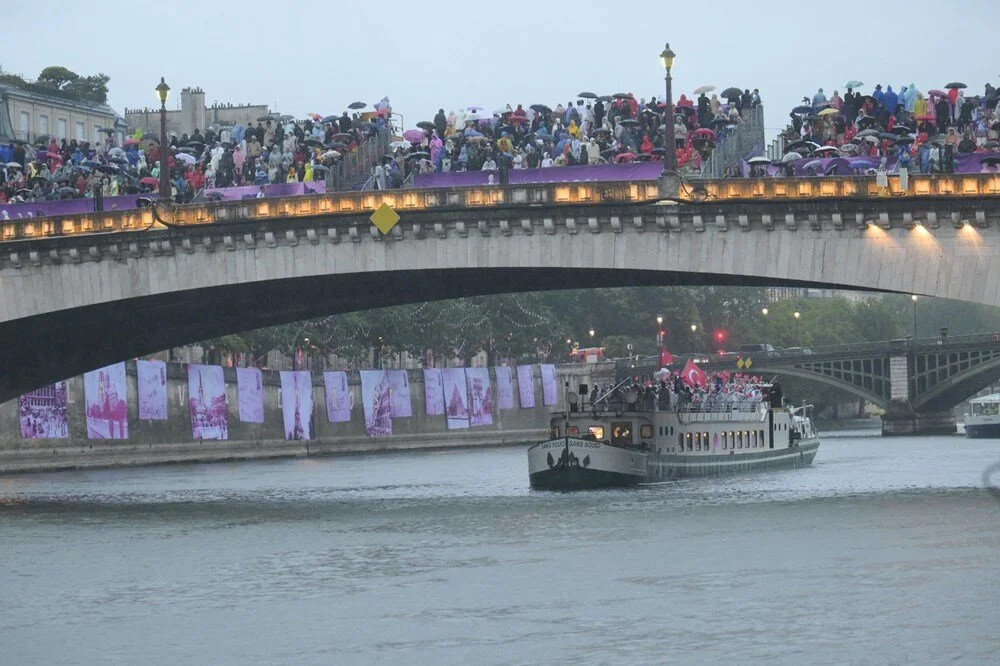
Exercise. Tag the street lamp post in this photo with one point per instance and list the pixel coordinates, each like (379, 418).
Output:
(659, 330)
(162, 91)
(798, 337)
(669, 139)
(694, 331)
(763, 311)
(914, 299)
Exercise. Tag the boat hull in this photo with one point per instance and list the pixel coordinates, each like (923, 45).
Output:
(982, 430)
(581, 478)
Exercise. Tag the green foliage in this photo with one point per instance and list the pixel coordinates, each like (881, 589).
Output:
(57, 76)
(91, 88)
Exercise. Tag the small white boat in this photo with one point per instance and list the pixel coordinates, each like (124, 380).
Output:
(984, 418)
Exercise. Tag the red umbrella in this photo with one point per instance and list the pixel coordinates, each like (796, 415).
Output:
(706, 133)
(926, 116)
(937, 93)
(517, 119)
(684, 102)
(624, 157)
(149, 180)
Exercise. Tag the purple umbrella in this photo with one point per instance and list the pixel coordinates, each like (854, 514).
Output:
(414, 136)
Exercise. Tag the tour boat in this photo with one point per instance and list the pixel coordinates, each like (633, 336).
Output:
(984, 418)
(632, 441)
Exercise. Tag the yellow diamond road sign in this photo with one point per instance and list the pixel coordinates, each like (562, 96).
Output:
(739, 363)
(748, 364)
(385, 218)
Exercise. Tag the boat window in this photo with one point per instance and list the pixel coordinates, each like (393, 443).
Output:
(680, 441)
(739, 440)
(689, 441)
(671, 430)
(725, 441)
(754, 439)
(621, 434)
(572, 430)
(555, 431)
(697, 441)
(645, 431)
(762, 438)
(704, 438)
(596, 431)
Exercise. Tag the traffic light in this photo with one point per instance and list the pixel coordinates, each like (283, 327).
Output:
(720, 336)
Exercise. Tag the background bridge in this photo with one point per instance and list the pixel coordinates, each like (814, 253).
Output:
(918, 382)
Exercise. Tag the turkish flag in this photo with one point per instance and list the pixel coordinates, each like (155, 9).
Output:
(666, 358)
(694, 376)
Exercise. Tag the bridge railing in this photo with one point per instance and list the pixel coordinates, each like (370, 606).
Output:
(745, 141)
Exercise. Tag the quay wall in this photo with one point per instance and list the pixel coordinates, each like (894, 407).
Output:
(154, 442)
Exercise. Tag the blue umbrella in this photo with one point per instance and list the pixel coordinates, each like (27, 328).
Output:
(90, 163)
(471, 132)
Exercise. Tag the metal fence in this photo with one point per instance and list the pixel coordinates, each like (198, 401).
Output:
(743, 142)
(355, 168)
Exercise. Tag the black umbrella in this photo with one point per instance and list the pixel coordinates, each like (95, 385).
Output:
(730, 93)
(991, 160)
(419, 154)
(65, 190)
(956, 85)
(427, 125)
(118, 160)
(313, 142)
(267, 116)
(802, 110)
(620, 96)
(341, 136)
(608, 152)
(196, 144)
(901, 130)
(587, 95)
(356, 105)
(659, 151)
(904, 140)
(331, 119)
(41, 139)
(338, 145)
(600, 130)
(629, 122)
(794, 145)
(107, 168)
(605, 98)
(541, 108)
(718, 122)
(190, 150)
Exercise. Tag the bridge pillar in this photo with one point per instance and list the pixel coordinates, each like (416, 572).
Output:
(669, 185)
(900, 419)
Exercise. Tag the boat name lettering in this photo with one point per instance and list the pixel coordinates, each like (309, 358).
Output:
(574, 444)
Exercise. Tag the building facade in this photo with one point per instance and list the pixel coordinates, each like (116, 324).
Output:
(27, 113)
(194, 114)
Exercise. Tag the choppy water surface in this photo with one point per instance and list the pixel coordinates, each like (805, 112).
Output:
(884, 551)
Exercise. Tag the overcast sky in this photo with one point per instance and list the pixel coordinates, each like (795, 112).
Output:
(303, 57)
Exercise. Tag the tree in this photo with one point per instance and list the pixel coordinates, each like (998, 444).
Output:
(91, 88)
(57, 76)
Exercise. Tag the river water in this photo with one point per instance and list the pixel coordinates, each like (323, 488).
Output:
(884, 551)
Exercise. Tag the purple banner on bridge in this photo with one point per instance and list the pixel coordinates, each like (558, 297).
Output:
(65, 207)
(42, 413)
(550, 393)
(151, 381)
(297, 404)
(399, 393)
(338, 398)
(480, 396)
(525, 386)
(207, 402)
(250, 394)
(505, 389)
(275, 190)
(570, 174)
(376, 396)
(106, 404)
(456, 398)
(433, 391)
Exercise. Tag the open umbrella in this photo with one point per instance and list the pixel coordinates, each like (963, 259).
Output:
(190, 150)
(621, 96)
(107, 168)
(587, 95)
(937, 93)
(758, 160)
(342, 136)
(316, 143)
(267, 116)
(731, 93)
(338, 145)
(414, 135)
(517, 120)
(426, 124)
(802, 110)
(356, 105)
(868, 132)
(41, 139)
(992, 160)
(853, 83)
(149, 181)
(791, 157)
(315, 116)
(541, 108)
(624, 157)
(905, 139)
(331, 119)
(955, 85)
(605, 98)
(477, 139)
(118, 160)
(404, 144)
(703, 89)
(901, 130)
(418, 154)
(66, 191)
(849, 148)
(629, 122)
(659, 151)
(14, 165)
(829, 111)
(812, 164)
(826, 149)
(186, 158)
(794, 145)
(705, 133)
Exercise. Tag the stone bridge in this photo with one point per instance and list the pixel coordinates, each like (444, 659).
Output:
(917, 382)
(80, 291)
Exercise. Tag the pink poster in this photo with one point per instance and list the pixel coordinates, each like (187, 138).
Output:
(207, 402)
(550, 394)
(42, 413)
(297, 404)
(399, 393)
(151, 378)
(505, 389)
(338, 397)
(250, 394)
(433, 391)
(376, 393)
(525, 386)
(480, 396)
(455, 398)
(107, 406)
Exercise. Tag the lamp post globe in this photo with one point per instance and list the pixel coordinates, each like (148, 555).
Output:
(162, 91)
(669, 140)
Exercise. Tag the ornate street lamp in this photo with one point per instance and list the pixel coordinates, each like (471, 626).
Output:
(797, 314)
(763, 311)
(669, 139)
(162, 91)
(914, 299)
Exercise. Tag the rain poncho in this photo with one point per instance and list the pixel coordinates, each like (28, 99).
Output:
(573, 130)
(911, 98)
(891, 100)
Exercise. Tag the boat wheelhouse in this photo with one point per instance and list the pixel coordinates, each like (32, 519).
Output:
(983, 418)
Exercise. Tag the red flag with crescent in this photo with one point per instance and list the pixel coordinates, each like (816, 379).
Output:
(693, 376)
(666, 358)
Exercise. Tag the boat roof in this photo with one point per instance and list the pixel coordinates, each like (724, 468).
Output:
(986, 398)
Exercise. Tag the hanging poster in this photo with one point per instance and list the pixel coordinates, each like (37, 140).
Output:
(433, 391)
(505, 389)
(250, 394)
(456, 401)
(399, 393)
(525, 386)
(106, 404)
(338, 397)
(550, 394)
(297, 404)
(480, 396)
(42, 413)
(151, 378)
(376, 390)
(207, 402)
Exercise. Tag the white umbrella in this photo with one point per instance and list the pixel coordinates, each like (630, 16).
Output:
(758, 160)
(822, 149)
(479, 115)
(703, 89)
(186, 158)
(400, 144)
(791, 157)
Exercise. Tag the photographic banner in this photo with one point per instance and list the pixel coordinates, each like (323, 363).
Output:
(376, 394)
(207, 402)
(550, 393)
(505, 389)
(297, 404)
(525, 386)
(250, 394)
(151, 378)
(106, 403)
(42, 413)
(338, 397)
(399, 393)
(455, 398)
(433, 391)
(480, 396)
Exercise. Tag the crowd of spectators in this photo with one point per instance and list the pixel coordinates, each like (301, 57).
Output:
(591, 130)
(916, 130)
(278, 149)
(667, 390)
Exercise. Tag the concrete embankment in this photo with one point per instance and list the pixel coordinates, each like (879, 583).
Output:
(156, 442)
